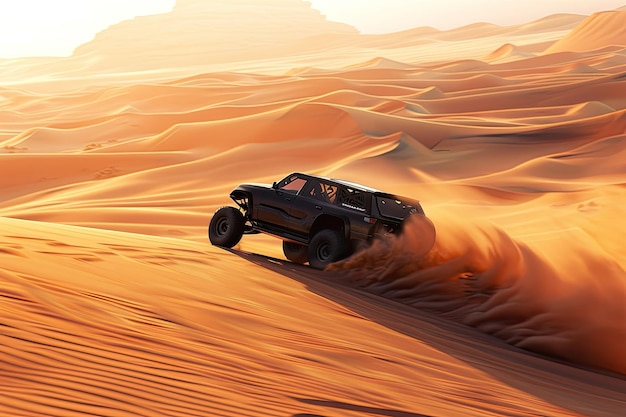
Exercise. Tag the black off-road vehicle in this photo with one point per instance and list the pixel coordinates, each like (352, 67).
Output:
(320, 220)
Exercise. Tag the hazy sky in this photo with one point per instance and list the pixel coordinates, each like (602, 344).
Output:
(56, 27)
(380, 16)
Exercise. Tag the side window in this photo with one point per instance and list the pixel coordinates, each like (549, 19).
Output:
(322, 191)
(330, 192)
(292, 184)
(353, 199)
(314, 190)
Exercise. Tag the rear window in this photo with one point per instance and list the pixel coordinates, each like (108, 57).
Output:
(397, 209)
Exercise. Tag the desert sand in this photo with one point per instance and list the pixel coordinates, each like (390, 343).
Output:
(113, 302)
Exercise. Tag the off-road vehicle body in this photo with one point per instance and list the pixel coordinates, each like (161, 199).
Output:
(320, 220)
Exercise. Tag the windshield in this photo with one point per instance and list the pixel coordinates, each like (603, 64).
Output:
(292, 184)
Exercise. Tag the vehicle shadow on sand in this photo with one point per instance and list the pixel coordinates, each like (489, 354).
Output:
(523, 370)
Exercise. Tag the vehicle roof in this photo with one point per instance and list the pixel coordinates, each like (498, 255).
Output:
(360, 187)
(342, 182)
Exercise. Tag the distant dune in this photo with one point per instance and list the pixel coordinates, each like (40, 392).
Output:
(596, 32)
(193, 38)
(112, 162)
(506, 53)
(209, 32)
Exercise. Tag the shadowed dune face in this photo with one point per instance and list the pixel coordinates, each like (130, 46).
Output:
(516, 154)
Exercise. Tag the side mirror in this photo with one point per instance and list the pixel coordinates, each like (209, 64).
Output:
(275, 185)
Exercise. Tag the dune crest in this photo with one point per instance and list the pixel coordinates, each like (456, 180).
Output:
(506, 53)
(597, 31)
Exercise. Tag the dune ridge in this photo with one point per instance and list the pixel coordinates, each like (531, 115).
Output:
(597, 31)
(112, 302)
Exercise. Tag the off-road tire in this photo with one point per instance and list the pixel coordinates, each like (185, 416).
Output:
(295, 252)
(326, 247)
(226, 227)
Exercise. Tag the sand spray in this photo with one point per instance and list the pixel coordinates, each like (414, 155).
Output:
(565, 300)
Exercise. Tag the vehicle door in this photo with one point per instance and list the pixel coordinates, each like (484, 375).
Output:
(274, 207)
(315, 198)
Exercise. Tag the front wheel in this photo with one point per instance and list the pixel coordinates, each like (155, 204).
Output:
(226, 227)
(295, 252)
(326, 247)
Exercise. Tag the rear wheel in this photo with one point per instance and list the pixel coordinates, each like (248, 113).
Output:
(295, 252)
(226, 227)
(326, 247)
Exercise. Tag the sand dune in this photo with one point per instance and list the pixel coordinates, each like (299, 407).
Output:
(191, 342)
(596, 32)
(113, 303)
(506, 52)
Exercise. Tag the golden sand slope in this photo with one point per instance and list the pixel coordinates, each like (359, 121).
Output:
(516, 154)
(112, 324)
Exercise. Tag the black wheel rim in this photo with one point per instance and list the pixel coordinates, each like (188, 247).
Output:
(222, 226)
(324, 251)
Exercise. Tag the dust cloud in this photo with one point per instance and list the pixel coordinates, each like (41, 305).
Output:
(564, 299)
